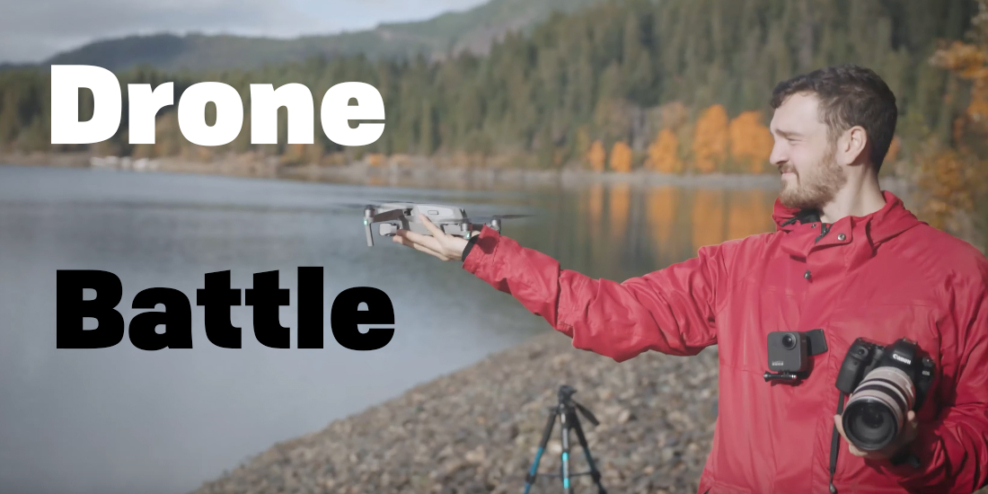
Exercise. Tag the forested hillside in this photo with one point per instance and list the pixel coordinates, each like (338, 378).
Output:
(454, 32)
(674, 85)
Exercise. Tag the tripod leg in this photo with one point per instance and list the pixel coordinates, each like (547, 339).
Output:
(566, 417)
(530, 478)
(594, 473)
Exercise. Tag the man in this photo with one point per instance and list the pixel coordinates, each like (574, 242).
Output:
(846, 258)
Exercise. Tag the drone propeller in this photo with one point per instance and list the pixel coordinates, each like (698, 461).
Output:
(391, 201)
(355, 205)
(476, 220)
(371, 203)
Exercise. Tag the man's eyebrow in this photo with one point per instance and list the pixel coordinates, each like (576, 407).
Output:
(786, 134)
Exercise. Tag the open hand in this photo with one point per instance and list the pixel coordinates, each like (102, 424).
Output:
(439, 244)
(901, 441)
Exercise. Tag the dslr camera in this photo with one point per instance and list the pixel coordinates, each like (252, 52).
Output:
(883, 384)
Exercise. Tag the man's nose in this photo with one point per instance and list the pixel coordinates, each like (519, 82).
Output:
(778, 157)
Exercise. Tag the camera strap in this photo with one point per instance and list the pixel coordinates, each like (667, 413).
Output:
(835, 445)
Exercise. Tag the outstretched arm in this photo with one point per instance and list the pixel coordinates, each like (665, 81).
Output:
(671, 310)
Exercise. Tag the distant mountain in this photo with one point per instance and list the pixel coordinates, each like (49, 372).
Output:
(471, 30)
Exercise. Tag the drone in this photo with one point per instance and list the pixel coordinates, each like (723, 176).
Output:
(394, 216)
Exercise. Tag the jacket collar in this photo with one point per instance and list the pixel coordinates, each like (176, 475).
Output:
(889, 221)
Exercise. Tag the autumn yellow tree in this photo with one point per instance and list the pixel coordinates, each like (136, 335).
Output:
(293, 154)
(710, 139)
(621, 157)
(954, 179)
(663, 154)
(597, 156)
(751, 141)
(375, 159)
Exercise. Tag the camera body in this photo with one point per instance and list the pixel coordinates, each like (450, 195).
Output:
(883, 384)
(788, 351)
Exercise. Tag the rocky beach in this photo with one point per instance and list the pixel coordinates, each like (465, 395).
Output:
(477, 430)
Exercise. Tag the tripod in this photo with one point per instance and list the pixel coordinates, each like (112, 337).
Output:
(566, 411)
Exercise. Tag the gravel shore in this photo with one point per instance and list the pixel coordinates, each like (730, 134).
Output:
(476, 430)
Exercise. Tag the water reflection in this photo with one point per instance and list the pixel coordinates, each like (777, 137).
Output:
(621, 230)
(618, 210)
(707, 213)
(662, 212)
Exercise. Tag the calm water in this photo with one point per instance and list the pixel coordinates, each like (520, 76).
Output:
(126, 420)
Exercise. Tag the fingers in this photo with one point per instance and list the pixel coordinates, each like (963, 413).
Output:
(425, 240)
(419, 247)
(434, 244)
(912, 430)
(433, 229)
(855, 451)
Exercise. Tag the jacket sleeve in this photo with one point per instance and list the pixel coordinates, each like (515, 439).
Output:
(669, 311)
(953, 449)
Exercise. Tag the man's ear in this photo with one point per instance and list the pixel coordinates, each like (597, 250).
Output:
(852, 145)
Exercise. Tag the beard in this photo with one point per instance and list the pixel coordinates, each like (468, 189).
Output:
(817, 186)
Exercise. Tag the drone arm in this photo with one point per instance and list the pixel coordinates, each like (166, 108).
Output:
(394, 214)
(368, 219)
(370, 234)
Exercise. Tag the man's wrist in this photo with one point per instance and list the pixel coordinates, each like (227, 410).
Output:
(466, 249)
(481, 250)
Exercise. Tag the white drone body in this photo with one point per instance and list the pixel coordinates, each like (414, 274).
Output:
(394, 216)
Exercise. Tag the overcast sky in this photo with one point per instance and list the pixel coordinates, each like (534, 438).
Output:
(33, 30)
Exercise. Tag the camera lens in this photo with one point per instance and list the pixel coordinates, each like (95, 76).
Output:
(873, 417)
(876, 410)
(873, 424)
(788, 341)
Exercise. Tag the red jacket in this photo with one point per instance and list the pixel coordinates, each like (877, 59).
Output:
(883, 276)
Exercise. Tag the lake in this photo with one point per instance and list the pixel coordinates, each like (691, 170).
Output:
(124, 420)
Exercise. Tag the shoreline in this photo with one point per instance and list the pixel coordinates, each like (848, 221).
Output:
(418, 173)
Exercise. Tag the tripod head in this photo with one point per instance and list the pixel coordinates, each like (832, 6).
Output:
(566, 393)
(566, 400)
